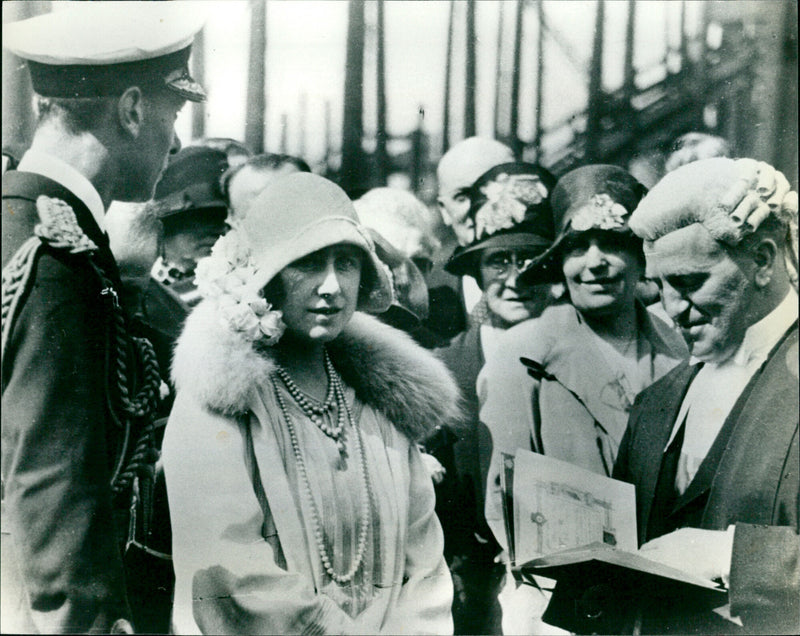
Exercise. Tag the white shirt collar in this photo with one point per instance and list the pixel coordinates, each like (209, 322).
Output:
(761, 337)
(64, 174)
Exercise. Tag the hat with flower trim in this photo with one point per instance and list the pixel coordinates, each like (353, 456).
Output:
(509, 207)
(597, 197)
(296, 215)
(96, 49)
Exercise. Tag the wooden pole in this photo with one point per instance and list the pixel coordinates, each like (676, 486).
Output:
(539, 78)
(18, 117)
(630, 31)
(595, 87)
(381, 155)
(199, 73)
(256, 79)
(513, 131)
(469, 101)
(447, 81)
(352, 168)
(498, 70)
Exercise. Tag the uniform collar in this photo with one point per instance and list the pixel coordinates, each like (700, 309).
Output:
(61, 172)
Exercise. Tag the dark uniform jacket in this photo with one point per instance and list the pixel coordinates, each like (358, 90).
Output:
(62, 527)
(749, 478)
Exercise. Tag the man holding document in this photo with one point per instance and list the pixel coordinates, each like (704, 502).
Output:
(712, 448)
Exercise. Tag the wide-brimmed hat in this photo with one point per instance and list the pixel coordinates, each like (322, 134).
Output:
(590, 198)
(509, 207)
(301, 213)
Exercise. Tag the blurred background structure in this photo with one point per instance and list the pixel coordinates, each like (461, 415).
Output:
(372, 92)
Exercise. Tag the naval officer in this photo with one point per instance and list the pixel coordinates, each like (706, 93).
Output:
(78, 388)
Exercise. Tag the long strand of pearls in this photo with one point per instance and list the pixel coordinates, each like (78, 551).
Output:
(316, 411)
(319, 535)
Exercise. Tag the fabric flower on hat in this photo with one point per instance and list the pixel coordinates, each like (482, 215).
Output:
(59, 226)
(507, 199)
(227, 277)
(601, 213)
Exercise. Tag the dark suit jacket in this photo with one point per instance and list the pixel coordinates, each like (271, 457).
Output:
(59, 441)
(749, 478)
(471, 449)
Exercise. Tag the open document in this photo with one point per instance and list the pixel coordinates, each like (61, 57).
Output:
(565, 522)
(557, 506)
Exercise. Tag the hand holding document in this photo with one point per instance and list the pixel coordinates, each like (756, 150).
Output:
(579, 528)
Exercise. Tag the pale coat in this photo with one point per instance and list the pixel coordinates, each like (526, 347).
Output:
(244, 557)
(572, 415)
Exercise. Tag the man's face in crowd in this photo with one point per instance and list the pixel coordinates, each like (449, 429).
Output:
(706, 289)
(157, 141)
(454, 206)
(190, 237)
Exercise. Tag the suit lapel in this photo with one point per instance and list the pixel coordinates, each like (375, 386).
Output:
(655, 434)
(740, 412)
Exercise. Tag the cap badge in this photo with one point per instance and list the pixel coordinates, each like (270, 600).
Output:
(507, 200)
(59, 226)
(601, 213)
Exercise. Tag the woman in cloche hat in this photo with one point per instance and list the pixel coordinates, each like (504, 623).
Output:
(586, 360)
(298, 498)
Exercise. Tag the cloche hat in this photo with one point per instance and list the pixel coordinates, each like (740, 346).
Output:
(509, 207)
(301, 213)
(589, 198)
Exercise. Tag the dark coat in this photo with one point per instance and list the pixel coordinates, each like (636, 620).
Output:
(59, 441)
(749, 478)
(471, 441)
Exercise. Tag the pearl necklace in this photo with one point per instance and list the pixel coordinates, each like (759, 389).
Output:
(316, 410)
(319, 534)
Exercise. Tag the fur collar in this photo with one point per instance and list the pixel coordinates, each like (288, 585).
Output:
(387, 369)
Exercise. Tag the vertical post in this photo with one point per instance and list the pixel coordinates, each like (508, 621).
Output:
(595, 87)
(17, 114)
(328, 136)
(284, 142)
(381, 156)
(448, 70)
(630, 34)
(539, 78)
(469, 84)
(199, 72)
(498, 69)
(684, 46)
(419, 152)
(352, 168)
(513, 131)
(256, 77)
(301, 125)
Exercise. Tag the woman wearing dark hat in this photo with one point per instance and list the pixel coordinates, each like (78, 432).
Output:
(512, 224)
(589, 358)
(299, 500)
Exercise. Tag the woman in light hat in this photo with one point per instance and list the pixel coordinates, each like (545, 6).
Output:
(589, 358)
(298, 498)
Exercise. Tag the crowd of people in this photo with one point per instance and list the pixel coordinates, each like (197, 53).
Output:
(237, 401)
